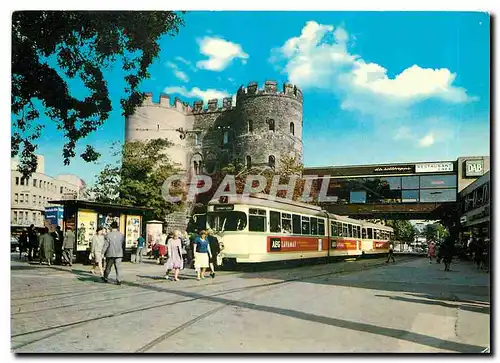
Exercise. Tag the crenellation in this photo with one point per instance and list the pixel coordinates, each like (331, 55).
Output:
(212, 104)
(165, 100)
(252, 88)
(227, 102)
(270, 87)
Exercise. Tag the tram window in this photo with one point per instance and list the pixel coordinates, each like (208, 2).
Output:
(321, 227)
(306, 225)
(296, 224)
(314, 226)
(286, 222)
(363, 233)
(345, 230)
(333, 229)
(359, 231)
(274, 222)
(369, 234)
(257, 220)
(355, 231)
(349, 230)
(224, 221)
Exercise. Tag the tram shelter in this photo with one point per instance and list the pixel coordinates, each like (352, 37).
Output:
(84, 217)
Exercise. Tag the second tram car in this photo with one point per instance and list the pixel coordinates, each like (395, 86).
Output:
(258, 229)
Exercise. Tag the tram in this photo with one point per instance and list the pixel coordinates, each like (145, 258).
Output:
(257, 229)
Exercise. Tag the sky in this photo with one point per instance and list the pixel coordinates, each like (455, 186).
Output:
(379, 87)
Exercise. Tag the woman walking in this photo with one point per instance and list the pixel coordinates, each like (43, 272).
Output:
(46, 246)
(174, 256)
(201, 248)
(432, 251)
(96, 252)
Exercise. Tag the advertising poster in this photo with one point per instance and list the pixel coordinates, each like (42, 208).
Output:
(133, 230)
(122, 224)
(87, 225)
(294, 244)
(339, 244)
(54, 217)
(153, 231)
(378, 245)
(105, 220)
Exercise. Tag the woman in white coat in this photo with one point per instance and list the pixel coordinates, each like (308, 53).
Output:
(96, 252)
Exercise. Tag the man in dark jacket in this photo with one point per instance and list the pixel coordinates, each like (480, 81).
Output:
(32, 243)
(23, 243)
(214, 251)
(58, 243)
(113, 251)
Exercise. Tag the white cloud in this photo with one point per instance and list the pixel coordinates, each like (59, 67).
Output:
(182, 60)
(220, 53)
(177, 72)
(427, 140)
(196, 92)
(319, 58)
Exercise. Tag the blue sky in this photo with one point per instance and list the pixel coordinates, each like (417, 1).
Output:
(378, 87)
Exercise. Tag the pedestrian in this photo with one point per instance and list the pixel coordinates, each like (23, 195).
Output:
(96, 253)
(448, 251)
(140, 246)
(23, 243)
(68, 245)
(190, 249)
(174, 255)
(113, 251)
(201, 248)
(478, 256)
(214, 251)
(162, 247)
(46, 246)
(431, 251)
(391, 253)
(32, 242)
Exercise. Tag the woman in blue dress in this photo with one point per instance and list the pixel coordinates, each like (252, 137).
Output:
(201, 248)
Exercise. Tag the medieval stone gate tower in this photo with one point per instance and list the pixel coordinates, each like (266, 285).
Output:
(264, 124)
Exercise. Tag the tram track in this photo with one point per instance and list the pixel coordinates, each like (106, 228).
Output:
(267, 286)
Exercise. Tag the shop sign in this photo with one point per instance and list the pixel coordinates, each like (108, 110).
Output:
(434, 167)
(474, 168)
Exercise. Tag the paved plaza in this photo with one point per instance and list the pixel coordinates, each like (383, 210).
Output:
(352, 306)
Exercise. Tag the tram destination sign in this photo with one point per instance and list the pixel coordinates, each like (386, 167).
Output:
(223, 207)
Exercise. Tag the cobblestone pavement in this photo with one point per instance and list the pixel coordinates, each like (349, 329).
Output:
(352, 306)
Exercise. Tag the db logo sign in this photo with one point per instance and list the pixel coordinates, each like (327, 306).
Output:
(474, 168)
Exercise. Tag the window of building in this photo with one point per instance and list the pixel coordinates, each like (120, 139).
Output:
(296, 228)
(15, 216)
(292, 128)
(409, 196)
(438, 195)
(34, 220)
(21, 198)
(197, 139)
(17, 180)
(249, 161)
(358, 197)
(61, 190)
(271, 124)
(257, 220)
(22, 181)
(274, 222)
(16, 198)
(438, 181)
(410, 182)
(250, 126)
(225, 138)
(33, 201)
(286, 223)
(26, 216)
(34, 182)
(272, 161)
(39, 183)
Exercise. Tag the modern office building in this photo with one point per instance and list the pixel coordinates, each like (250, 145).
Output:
(30, 196)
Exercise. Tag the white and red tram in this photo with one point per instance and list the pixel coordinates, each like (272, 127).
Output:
(257, 229)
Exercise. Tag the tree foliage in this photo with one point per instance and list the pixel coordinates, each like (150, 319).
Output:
(403, 230)
(435, 232)
(85, 44)
(138, 179)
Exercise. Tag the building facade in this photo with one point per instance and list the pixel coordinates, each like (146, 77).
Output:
(263, 125)
(475, 208)
(30, 196)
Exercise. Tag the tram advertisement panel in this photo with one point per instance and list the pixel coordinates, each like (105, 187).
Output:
(294, 244)
(86, 228)
(133, 230)
(380, 245)
(339, 244)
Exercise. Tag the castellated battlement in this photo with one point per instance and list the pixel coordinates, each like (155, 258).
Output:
(165, 102)
(270, 88)
(184, 107)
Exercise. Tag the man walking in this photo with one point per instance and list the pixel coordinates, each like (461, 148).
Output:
(391, 253)
(140, 246)
(113, 251)
(68, 245)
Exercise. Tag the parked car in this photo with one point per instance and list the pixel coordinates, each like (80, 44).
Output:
(14, 244)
